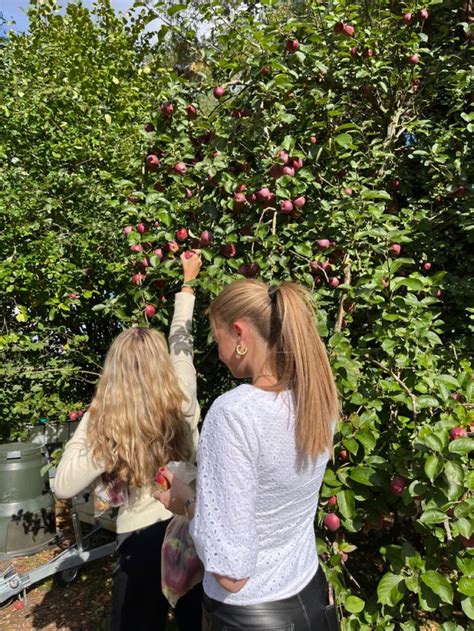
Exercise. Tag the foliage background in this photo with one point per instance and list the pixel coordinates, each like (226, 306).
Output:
(386, 159)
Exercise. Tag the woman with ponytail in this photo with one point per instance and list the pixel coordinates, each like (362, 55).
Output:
(263, 451)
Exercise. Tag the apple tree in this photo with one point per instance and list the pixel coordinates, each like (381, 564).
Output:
(323, 143)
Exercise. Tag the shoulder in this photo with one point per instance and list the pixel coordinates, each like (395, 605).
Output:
(234, 402)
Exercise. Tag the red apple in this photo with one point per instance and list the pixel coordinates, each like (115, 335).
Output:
(152, 162)
(385, 284)
(161, 481)
(408, 18)
(276, 171)
(333, 282)
(457, 432)
(394, 249)
(191, 111)
(349, 30)
(344, 556)
(423, 14)
(313, 140)
(297, 163)
(136, 247)
(206, 237)
(332, 501)
(427, 266)
(251, 198)
(339, 28)
(292, 45)
(137, 279)
(397, 484)
(141, 228)
(368, 53)
(172, 246)
(158, 253)
(181, 234)
(144, 263)
(354, 51)
(323, 244)
(263, 194)
(299, 202)
(180, 168)
(239, 201)
(150, 311)
(289, 171)
(219, 92)
(149, 127)
(189, 254)
(127, 230)
(188, 193)
(229, 250)
(344, 455)
(284, 157)
(332, 521)
(133, 199)
(265, 70)
(348, 191)
(414, 59)
(166, 109)
(286, 206)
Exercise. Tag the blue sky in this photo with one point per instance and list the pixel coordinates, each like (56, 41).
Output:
(14, 9)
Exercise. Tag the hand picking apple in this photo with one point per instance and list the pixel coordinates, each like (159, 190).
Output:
(178, 492)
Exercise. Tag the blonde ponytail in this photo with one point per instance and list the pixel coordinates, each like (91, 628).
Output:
(285, 317)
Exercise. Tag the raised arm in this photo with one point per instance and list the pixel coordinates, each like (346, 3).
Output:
(181, 339)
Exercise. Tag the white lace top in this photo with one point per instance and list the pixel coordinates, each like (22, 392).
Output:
(256, 499)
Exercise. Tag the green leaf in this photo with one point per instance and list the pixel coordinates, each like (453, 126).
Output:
(426, 401)
(468, 607)
(346, 503)
(389, 590)
(363, 475)
(466, 586)
(433, 467)
(461, 445)
(353, 604)
(439, 584)
(454, 472)
(344, 140)
(432, 516)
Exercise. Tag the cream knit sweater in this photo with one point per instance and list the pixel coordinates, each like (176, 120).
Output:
(76, 471)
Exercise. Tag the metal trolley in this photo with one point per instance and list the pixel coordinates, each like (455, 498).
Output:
(98, 543)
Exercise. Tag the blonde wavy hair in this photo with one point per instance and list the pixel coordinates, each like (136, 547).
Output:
(136, 423)
(286, 319)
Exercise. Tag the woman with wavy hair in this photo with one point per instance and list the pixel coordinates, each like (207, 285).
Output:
(262, 454)
(144, 414)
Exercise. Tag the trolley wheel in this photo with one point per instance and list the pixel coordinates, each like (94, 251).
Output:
(66, 577)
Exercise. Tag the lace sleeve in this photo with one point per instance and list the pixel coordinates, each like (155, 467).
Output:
(223, 528)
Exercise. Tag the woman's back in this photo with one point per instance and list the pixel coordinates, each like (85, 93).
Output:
(248, 447)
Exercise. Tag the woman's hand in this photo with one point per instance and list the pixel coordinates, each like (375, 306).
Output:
(174, 498)
(191, 261)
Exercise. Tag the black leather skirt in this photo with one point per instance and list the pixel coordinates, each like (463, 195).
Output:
(307, 611)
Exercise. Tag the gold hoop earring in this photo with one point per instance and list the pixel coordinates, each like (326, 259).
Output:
(240, 352)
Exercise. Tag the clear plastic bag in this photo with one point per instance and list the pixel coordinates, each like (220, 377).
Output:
(109, 492)
(181, 568)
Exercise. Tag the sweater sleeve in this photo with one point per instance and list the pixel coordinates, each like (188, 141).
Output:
(224, 524)
(76, 469)
(182, 355)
